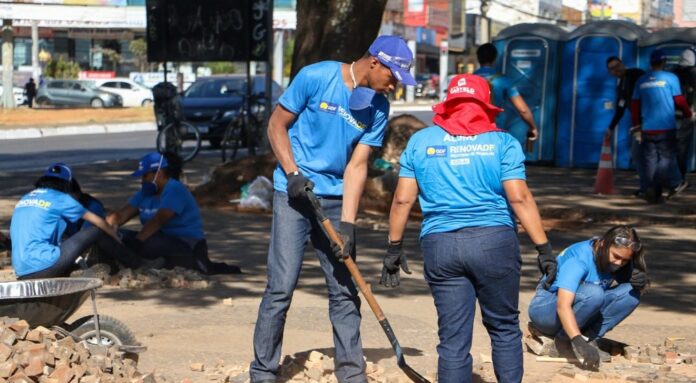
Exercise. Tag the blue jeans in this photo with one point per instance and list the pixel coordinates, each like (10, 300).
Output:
(596, 311)
(294, 222)
(660, 154)
(460, 266)
(639, 162)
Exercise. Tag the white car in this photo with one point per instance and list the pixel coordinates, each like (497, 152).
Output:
(19, 97)
(133, 94)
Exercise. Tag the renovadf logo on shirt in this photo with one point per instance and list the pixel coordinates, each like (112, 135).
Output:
(436, 151)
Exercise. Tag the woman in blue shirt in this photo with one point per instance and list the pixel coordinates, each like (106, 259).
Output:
(469, 177)
(581, 304)
(39, 222)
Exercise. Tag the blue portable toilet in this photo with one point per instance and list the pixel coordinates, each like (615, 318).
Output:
(529, 55)
(587, 93)
(672, 40)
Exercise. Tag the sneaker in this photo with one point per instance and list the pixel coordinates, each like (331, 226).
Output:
(604, 356)
(639, 193)
(678, 189)
(156, 263)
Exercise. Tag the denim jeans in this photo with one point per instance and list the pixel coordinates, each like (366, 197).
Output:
(460, 266)
(639, 162)
(660, 155)
(685, 134)
(294, 223)
(596, 311)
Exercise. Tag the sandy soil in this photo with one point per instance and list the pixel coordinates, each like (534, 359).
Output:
(184, 326)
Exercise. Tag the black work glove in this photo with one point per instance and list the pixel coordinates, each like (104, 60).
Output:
(394, 260)
(639, 279)
(346, 231)
(298, 185)
(587, 355)
(133, 244)
(547, 263)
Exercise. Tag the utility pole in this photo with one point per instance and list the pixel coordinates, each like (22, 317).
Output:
(7, 65)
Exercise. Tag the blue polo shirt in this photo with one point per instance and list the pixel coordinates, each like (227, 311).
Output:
(460, 178)
(503, 90)
(186, 222)
(38, 222)
(93, 205)
(656, 91)
(326, 131)
(576, 265)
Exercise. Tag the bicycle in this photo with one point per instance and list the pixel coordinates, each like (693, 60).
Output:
(245, 129)
(175, 135)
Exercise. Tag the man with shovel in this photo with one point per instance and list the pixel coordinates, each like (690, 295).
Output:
(322, 134)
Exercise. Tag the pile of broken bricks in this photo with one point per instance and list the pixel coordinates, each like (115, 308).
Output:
(305, 367)
(177, 278)
(29, 355)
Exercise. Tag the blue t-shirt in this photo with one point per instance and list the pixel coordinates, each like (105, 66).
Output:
(656, 91)
(93, 205)
(326, 131)
(186, 222)
(576, 265)
(503, 90)
(38, 222)
(460, 178)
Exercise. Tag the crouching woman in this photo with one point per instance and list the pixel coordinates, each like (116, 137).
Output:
(583, 304)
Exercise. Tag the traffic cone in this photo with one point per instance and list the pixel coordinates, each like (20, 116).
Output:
(604, 184)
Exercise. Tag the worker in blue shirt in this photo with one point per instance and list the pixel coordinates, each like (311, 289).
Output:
(469, 178)
(172, 229)
(583, 304)
(38, 224)
(503, 90)
(322, 133)
(652, 111)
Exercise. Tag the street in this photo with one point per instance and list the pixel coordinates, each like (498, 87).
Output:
(36, 153)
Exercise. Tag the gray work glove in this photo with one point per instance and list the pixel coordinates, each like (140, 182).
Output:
(394, 260)
(547, 263)
(346, 231)
(639, 279)
(298, 185)
(587, 355)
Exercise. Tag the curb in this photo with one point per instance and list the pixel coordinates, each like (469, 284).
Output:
(35, 132)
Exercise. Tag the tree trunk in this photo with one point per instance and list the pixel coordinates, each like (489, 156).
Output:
(340, 30)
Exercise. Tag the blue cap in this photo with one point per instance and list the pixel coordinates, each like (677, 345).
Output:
(59, 170)
(657, 56)
(393, 52)
(149, 163)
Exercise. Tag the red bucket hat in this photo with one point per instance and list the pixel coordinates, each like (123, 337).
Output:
(467, 109)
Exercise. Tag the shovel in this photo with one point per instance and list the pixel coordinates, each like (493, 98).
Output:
(367, 293)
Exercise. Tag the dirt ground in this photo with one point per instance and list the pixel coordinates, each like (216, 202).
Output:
(182, 326)
(13, 118)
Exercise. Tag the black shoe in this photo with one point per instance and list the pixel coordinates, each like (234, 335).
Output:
(639, 193)
(678, 189)
(146, 264)
(604, 356)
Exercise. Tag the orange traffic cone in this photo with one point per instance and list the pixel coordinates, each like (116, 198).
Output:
(604, 184)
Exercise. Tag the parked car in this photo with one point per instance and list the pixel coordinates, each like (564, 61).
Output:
(211, 102)
(76, 93)
(133, 94)
(19, 96)
(426, 86)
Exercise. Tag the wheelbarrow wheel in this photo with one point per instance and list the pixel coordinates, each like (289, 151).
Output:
(113, 331)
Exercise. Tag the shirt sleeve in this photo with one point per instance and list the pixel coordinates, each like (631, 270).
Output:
(136, 199)
(571, 274)
(510, 89)
(374, 135)
(297, 94)
(512, 163)
(172, 198)
(674, 85)
(70, 209)
(406, 160)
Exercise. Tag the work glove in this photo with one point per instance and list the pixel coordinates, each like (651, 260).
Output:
(346, 231)
(639, 279)
(298, 185)
(587, 355)
(394, 260)
(546, 261)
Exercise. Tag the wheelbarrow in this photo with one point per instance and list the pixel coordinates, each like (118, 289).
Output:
(50, 302)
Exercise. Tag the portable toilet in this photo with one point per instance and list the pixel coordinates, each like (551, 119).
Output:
(587, 93)
(529, 56)
(671, 40)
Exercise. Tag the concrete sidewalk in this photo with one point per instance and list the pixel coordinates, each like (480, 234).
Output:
(48, 131)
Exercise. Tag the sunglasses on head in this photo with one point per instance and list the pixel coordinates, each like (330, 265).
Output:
(625, 242)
